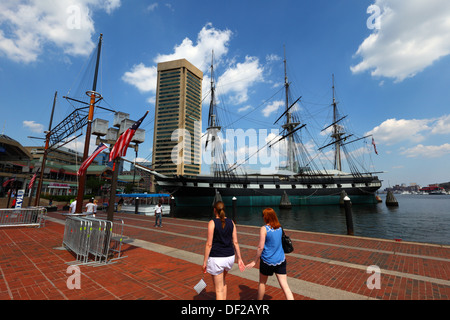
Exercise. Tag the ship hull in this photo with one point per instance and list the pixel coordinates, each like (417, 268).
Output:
(201, 191)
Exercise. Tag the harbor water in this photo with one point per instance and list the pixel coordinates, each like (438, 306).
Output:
(418, 218)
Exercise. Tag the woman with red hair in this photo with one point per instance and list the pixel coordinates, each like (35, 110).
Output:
(271, 255)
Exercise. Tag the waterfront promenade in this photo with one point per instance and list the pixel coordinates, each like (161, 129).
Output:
(165, 264)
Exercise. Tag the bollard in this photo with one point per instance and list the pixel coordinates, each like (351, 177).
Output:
(234, 209)
(172, 205)
(341, 200)
(136, 205)
(348, 215)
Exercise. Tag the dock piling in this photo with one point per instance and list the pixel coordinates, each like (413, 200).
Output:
(172, 205)
(348, 215)
(234, 209)
(136, 206)
(217, 198)
(285, 203)
(390, 200)
(341, 200)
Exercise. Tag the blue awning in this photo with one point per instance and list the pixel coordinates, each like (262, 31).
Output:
(144, 195)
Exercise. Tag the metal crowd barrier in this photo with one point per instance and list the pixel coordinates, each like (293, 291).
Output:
(25, 217)
(93, 240)
(75, 237)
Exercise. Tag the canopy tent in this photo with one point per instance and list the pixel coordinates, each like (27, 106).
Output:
(144, 195)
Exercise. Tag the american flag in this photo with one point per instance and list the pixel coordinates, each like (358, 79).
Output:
(7, 182)
(33, 179)
(86, 163)
(121, 146)
(374, 146)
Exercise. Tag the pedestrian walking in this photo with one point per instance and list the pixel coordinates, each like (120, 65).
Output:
(221, 250)
(90, 206)
(158, 215)
(73, 206)
(95, 207)
(120, 204)
(271, 255)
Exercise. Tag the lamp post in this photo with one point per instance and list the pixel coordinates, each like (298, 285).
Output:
(110, 136)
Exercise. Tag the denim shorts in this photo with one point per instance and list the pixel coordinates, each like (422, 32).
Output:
(269, 270)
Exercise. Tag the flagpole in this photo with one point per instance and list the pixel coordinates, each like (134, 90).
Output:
(30, 190)
(118, 151)
(112, 194)
(30, 195)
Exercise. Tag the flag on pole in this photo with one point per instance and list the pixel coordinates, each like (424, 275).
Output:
(121, 146)
(374, 146)
(86, 163)
(30, 185)
(5, 184)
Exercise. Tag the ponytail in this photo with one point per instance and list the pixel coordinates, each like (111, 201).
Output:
(220, 209)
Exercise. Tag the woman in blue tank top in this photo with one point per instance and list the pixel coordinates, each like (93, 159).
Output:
(271, 255)
(220, 250)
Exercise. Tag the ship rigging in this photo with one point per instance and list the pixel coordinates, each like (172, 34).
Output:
(300, 178)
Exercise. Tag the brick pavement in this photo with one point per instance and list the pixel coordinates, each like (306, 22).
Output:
(164, 264)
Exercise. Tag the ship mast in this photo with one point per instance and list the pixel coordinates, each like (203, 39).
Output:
(213, 127)
(93, 94)
(212, 104)
(289, 126)
(337, 134)
(44, 157)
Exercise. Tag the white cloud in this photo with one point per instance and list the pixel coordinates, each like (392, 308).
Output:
(199, 54)
(77, 144)
(111, 5)
(235, 81)
(393, 131)
(33, 126)
(142, 77)
(169, 6)
(249, 107)
(141, 160)
(427, 151)
(27, 27)
(412, 35)
(271, 108)
(273, 58)
(152, 7)
(442, 125)
(145, 78)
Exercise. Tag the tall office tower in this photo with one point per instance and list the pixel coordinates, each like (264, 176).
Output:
(177, 134)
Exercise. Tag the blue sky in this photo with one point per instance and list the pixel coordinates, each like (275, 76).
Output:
(390, 59)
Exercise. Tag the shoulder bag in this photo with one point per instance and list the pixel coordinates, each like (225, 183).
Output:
(287, 243)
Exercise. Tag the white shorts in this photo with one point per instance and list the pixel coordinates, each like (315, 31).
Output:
(217, 265)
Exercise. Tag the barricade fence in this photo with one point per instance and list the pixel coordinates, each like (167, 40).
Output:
(93, 240)
(23, 217)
